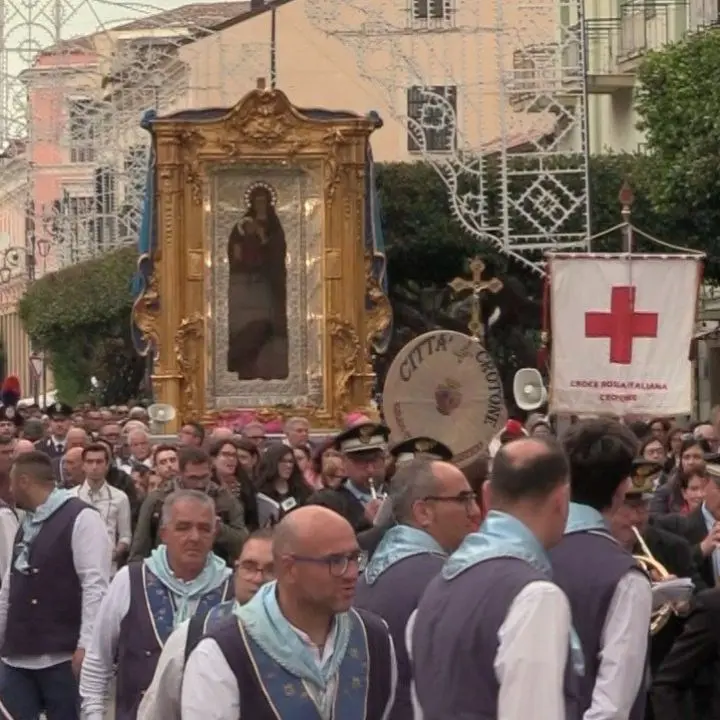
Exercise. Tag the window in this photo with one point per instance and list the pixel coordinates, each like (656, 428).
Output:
(83, 121)
(79, 227)
(432, 118)
(430, 9)
(105, 204)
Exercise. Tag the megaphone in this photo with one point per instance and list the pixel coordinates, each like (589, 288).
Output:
(529, 390)
(160, 414)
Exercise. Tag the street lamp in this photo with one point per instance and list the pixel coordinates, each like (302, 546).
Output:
(52, 223)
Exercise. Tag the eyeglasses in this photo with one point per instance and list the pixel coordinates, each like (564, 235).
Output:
(337, 564)
(250, 567)
(463, 498)
(255, 437)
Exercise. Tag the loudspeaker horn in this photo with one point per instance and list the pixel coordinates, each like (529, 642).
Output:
(529, 390)
(160, 414)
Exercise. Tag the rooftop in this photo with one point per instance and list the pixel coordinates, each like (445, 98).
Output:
(199, 16)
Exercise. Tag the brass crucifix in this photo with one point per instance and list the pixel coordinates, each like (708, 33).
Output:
(478, 286)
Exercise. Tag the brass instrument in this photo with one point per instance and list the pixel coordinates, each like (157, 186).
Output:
(648, 563)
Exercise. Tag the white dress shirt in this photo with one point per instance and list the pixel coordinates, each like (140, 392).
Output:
(113, 506)
(92, 565)
(533, 649)
(210, 690)
(623, 651)
(9, 525)
(99, 664)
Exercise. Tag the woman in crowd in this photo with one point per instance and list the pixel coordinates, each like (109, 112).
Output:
(248, 455)
(228, 472)
(692, 486)
(669, 498)
(303, 458)
(673, 447)
(280, 483)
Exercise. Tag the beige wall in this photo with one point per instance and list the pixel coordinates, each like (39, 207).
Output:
(320, 71)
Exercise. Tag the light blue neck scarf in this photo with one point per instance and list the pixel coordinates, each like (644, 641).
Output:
(503, 535)
(583, 518)
(266, 625)
(33, 522)
(187, 594)
(400, 542)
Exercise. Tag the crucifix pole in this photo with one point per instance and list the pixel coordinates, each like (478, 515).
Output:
(477, 285)
(627, 198)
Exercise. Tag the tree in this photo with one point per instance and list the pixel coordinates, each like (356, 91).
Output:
(426, 248)
(678, 102)
(80, 317)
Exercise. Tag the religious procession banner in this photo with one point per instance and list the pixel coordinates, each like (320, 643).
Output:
(621, 328)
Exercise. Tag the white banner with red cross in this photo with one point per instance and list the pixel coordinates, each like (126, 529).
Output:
(621, 328)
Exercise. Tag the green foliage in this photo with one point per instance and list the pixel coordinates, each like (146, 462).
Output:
(679, 107)
(426, 245)
(80, 317)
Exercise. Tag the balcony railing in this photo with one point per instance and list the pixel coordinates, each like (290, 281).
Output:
(646, 26)
(703, 14)
(556, 68)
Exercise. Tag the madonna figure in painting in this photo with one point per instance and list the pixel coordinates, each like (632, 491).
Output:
(257, 315)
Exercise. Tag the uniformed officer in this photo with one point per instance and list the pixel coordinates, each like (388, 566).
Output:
(363, 447)
(60, 415)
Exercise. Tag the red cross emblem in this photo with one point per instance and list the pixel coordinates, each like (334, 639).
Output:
(622, 324)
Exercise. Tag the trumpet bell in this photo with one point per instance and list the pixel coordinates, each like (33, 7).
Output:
(657, 572)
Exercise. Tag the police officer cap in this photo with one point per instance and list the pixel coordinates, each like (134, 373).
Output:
(642, 474)
(58, 410)
(406, 450)
(9, 413)
(363, 437)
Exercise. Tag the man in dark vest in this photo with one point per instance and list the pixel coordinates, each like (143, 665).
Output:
(253, 569)
(363, 448)
(435, 509)
(491, 636)
(58, 576)
(610, 596)
(297, 649)
(147, 600)
(401, 453)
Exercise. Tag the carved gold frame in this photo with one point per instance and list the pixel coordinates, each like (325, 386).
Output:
(264, 127)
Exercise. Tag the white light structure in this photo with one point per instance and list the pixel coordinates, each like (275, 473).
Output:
(494, 95)
(76, 76)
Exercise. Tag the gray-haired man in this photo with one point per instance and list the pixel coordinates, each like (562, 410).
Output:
(147, 600)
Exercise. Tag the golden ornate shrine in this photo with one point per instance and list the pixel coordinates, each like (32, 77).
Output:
(314, 167)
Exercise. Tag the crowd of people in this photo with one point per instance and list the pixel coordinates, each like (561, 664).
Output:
(231, 573)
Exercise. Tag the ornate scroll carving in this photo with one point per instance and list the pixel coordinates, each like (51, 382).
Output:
(191, 143)
(187, 348)
(345, 354)
(146, 314)
(334, 141)
(266, 121)
(379, 313)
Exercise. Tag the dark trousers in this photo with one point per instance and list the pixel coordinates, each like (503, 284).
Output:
(25, 694)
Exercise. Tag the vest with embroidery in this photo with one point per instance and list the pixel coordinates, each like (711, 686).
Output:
(268, 692)
(144, 632)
